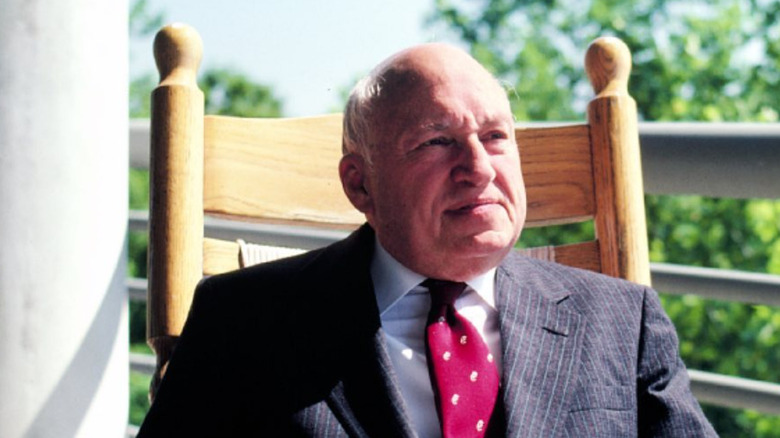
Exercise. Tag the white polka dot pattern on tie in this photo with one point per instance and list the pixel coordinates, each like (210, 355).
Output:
(464, 379)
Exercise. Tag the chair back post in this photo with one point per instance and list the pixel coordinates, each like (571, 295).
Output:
(176, 203)
(620, 213)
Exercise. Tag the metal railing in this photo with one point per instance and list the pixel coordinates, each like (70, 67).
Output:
(735, 160)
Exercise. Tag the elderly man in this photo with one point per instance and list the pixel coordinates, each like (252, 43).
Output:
(424, 322)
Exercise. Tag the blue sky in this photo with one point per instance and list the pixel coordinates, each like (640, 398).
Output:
(307, 50)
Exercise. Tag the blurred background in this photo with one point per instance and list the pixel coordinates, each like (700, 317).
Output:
(714, 65)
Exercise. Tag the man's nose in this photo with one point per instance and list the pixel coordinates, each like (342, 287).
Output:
(474, 165)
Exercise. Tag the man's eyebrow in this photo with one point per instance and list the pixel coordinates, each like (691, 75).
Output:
(434, 126)
(442, 124)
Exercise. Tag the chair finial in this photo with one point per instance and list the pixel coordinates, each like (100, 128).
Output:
(608, 64)
(178, 50)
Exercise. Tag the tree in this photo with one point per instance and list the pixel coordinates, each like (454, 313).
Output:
(142, 21)
(693, 60)
(232, 93)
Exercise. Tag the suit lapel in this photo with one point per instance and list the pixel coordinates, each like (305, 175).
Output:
(367, 399)
(541, 343)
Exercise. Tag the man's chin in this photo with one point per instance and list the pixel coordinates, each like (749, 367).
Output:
(466, 261)
(486, 243)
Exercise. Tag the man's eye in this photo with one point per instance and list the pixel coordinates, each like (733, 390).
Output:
(439, 141)
(495, 135)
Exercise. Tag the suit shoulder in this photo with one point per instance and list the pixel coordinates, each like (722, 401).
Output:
(284, 269)
(295, 278)
(558, 281)
(524, 265)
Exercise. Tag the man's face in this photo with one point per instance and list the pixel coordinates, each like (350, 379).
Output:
(445, 191)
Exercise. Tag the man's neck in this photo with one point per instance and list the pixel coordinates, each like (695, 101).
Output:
(392, 279)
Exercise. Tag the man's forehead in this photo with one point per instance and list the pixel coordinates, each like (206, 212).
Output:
(445, 104)
(435, 87)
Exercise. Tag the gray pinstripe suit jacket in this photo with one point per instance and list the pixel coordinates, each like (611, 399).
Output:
(295, 348)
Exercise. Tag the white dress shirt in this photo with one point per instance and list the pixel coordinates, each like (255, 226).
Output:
(403, 308)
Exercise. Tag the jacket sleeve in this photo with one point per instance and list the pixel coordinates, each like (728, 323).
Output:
(666, 406)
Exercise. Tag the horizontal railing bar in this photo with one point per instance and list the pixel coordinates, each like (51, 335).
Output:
(140, 134)
(717, 284)
(731, 160)
(268, 234)
(736, 160)
(136, 288)
(138, 220)
(735, 392)
(142, 363)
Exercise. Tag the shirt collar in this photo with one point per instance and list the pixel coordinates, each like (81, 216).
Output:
(392, 280)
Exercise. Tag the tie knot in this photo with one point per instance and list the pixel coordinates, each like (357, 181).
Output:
(443, 292)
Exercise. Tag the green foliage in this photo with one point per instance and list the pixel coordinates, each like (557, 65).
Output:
(139, 397)
(733, 339)
(232, 93)
(693, 60)
(139, 189)
(556, 235)
(137, 244)
(142, 21)
(723, 337)
(718, 233)
(140, 96)
(225, 91)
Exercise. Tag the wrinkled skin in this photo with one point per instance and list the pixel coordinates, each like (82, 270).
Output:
(440, 182)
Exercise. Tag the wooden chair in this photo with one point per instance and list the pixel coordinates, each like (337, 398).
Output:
(284, 171)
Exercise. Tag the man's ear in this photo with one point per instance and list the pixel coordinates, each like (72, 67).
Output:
(353, 171)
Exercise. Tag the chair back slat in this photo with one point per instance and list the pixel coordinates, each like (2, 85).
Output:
(558, 174)
(276, 170)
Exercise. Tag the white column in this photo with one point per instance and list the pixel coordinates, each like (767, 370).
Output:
(63, 216)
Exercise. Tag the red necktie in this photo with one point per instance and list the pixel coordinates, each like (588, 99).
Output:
(463, 375)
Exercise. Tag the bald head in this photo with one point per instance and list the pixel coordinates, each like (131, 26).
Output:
(374, 101)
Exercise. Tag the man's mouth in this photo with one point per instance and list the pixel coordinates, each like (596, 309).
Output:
(473, 205)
